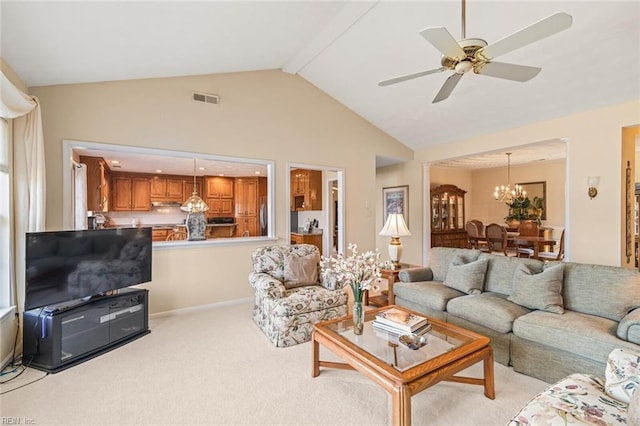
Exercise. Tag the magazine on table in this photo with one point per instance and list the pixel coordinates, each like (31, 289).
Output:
(401, 320)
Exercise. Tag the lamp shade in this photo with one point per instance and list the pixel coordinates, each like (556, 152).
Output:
(395, 226)
(194, 204)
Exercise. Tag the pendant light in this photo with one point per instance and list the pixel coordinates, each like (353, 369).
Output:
(505, 194)
(194, 204)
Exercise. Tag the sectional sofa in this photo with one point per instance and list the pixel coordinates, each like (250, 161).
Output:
(547, 320)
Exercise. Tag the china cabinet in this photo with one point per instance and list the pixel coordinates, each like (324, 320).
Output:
(448, 217)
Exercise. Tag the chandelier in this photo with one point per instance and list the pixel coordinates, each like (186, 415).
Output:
(194, 204)
(506, 194)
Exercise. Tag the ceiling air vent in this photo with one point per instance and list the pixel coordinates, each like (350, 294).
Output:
(206, 98)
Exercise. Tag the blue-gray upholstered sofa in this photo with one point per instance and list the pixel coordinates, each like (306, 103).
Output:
(547, 320)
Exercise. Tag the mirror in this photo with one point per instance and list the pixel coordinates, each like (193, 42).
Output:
(537, 193)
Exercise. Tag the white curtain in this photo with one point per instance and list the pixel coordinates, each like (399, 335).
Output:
(29, 188)
(80, 196)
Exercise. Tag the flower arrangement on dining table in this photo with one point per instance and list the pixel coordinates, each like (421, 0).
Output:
(360, 271)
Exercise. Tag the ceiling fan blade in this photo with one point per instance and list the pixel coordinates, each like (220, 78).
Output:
(447, 87)
(442, 40)
(548, 26)
(410, 76)
(513, 72)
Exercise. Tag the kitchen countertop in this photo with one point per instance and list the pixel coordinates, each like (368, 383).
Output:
(316, 232)
(177, 225)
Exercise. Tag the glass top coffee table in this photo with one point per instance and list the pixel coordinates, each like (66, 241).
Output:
(401, 371)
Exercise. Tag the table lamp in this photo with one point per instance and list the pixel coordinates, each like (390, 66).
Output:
(395, 227)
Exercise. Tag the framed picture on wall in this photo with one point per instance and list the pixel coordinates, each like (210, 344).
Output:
(395, 199)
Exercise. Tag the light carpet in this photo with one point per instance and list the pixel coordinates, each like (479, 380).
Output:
(216, 367)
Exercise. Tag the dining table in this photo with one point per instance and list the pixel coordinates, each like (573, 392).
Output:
(537, 242)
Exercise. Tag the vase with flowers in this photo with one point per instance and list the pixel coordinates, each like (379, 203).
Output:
(360, 271)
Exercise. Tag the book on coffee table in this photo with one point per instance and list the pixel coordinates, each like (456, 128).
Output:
(402, 321)
(378, 326)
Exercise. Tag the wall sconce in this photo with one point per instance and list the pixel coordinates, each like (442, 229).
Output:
(592, 183)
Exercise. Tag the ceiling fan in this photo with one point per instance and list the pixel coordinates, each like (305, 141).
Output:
(475, 54)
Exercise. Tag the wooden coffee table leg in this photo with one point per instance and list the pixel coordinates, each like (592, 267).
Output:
(489, 383)
(316, 357)
(401, 406)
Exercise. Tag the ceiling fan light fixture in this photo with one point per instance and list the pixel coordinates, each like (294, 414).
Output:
(463, 67)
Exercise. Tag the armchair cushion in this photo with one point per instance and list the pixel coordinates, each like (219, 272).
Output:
(541, 291)
(622, 374)
(301, 270)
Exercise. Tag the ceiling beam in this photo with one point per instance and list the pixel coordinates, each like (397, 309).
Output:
(345, 19)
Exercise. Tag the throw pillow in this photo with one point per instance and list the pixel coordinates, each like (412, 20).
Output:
(622, 374)
(466, 277)
(301, 270)
(541, 291)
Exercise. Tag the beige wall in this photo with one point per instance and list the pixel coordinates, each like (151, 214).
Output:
(399, 175)
(593, 148)
(484, 207)
(268, 115)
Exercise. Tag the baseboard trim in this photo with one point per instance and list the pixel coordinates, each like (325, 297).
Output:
(200, 308)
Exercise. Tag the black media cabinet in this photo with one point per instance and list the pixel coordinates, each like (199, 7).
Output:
(60, 336)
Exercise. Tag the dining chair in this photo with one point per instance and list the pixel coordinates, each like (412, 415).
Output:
(527, 229)
(496, 236)
(552, 255)
(479, 226)
(177, 236)
(475, 235)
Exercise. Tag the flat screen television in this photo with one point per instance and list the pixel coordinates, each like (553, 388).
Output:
(67, 265)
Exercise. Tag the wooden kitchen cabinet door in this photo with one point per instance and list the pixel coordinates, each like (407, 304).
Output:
(140, 199)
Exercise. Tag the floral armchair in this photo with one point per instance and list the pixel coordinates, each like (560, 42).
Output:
(289, 295)
(586, 399)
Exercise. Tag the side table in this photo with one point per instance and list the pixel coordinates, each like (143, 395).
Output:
(386, 298)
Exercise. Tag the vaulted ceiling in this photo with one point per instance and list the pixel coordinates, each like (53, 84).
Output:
(345, 49)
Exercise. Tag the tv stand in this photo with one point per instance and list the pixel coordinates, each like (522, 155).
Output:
(60, 336)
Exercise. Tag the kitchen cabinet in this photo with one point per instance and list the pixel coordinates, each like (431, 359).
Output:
(314, 239)
(249, 194)
(246, 224)
(159, 234)
(219, 187)
(167, 188)
(306, 189)
(130, 193)
(448, 217)
(219, 196)
(97, 184)
(187, 189)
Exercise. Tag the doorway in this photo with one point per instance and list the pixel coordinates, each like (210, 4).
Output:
(326, 218)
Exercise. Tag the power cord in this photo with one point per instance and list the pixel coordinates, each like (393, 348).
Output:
(22, 364)
(24, 368)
